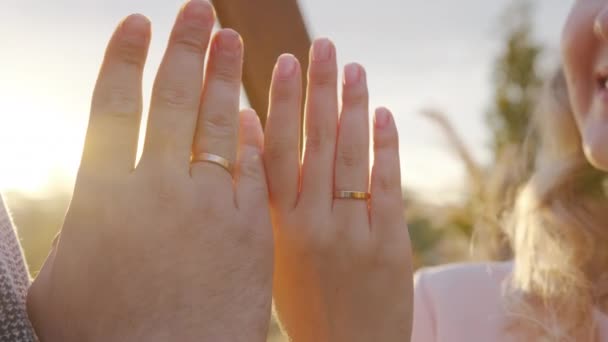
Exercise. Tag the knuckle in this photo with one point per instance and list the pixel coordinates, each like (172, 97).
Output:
(276, 150)
(317, 138)
(314, 143)
(323, 77)
(222, 121)
(388, 141)
(117, 100)
(126, 117)
(388, 181)
(218, 126)
(226, 71)
(281, 93)
(355, 97)
(192, 40)
(351, 155)
(385, 184)
(132, 51)
(174, 95)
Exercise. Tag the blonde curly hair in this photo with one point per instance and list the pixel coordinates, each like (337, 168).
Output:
(558, 230)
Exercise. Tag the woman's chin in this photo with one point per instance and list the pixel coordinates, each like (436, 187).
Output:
(595, 143)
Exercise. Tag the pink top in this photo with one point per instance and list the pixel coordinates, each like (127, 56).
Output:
(463, 303)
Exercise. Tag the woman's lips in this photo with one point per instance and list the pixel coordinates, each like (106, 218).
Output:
(599, 107)
(603, 96)
(602, 87)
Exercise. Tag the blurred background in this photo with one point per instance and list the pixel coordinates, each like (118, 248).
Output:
(461, 77)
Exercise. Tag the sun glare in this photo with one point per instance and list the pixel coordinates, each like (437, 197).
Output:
(38, 145)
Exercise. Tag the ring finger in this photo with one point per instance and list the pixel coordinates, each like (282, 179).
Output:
(217, 127)
(352, 154)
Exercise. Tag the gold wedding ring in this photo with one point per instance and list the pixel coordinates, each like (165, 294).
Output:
(214, 159)
(356, 195)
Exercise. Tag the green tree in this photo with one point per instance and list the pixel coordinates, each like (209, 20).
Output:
(491, 188)
(517, 84)
(516, 80)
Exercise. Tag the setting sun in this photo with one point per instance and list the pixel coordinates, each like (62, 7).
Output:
(39, 143)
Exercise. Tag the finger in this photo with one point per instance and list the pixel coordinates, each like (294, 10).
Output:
(352, 154)
(111, 140)
(176, 93)
(386, 207)
(250, 176)
(217, 127)
(320, 125)
(282, 138)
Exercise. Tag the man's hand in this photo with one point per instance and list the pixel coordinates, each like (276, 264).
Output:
(173, 249)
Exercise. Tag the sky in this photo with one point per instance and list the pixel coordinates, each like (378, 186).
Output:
(418, 54)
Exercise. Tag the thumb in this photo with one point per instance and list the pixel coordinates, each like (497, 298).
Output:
(37, 293)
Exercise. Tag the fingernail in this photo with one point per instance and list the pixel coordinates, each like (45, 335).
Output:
(286, 66)
(136, 25)
(197, 11)
(383, 117)
(229, 41)
(352, 74)
(322, 50)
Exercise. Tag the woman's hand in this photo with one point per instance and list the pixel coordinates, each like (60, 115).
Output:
(342, 266)
(170, 250)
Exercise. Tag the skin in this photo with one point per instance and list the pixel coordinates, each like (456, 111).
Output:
(169, 249)
(343, 268)
(585, 61)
